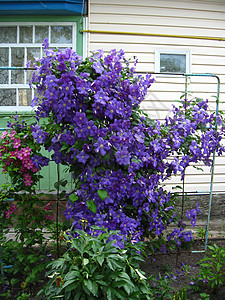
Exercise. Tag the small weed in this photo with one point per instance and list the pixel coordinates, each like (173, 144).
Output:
(201, 232)
(204, 296)
(212, 268)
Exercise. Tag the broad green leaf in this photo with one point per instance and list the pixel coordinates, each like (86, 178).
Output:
(92, 206)
(88, 284)
(85, 261)
(102, 194)
(73, 198)
(100, 260)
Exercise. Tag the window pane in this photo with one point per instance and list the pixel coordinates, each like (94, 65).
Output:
(61, 34)
(25, 96)
(8, 34)
(17, 57)
(41, 33)
(32, 53)
(175, 63)
(26, 34)
(17, 61)
(8, 97)
(4, 61)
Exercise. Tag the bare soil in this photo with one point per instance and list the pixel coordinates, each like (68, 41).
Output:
(180, 266)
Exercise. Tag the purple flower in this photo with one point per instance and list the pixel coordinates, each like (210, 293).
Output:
(123, 157)
(38, 134)
(45, 44)
(80, 119)
(97, 66)
(82, 157)
(40, 161)
(101, 146)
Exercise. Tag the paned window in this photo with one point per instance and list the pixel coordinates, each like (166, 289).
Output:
(172, 61)
(20, 43)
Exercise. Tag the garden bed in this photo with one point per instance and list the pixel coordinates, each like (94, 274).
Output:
(177, 268)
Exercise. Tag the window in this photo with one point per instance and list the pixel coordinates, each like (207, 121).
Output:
(172, 61)
(20, 43)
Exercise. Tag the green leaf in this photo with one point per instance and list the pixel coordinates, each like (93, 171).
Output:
(64, 147)
(109, 294)
(92, 206)
(102, 194)
(107, 157)
(218, 266)
(88, 285)
(100, 260)
(73, 198)
(85, 261)
(63, 182)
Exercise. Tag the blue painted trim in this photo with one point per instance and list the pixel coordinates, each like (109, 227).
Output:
(36, 7)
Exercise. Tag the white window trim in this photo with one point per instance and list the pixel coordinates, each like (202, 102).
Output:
(167, 51)
(24, 45)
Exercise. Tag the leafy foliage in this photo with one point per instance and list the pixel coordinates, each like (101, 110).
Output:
(212, 268)
(27, 250)
(94, 268)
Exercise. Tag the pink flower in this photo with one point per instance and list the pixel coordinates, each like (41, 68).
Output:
(28, 182)
(8, 213)
(12, 208)
(49, 217)
(20, 155)
(4, 134)
(16, 143)
(47, 206)
(34, 169)
(26, 151)
(28, 164)
(12, 153)
(27, 179)
(12, 134)
(7, 163)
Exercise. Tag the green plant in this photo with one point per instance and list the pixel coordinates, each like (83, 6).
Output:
(181, 294)
(160, 287)
(212, 267)
(201, 232)
(27, 252)
(94, 268)
(204, 296)
(23, 296)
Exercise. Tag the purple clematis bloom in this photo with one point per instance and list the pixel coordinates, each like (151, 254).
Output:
(101, 146)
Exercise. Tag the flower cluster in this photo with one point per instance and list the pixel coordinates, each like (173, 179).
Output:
(19, 156)
(9, 212)
(117, 155)
(47, 208)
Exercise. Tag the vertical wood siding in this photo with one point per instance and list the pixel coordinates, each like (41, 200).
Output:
(181, 17)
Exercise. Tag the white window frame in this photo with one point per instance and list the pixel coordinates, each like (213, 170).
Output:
(167, 51)
(30, 45)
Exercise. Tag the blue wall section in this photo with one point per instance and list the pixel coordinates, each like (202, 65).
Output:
(36, 7)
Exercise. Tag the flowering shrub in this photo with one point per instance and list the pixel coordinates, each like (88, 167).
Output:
(20, 156)
(117, 155)
(30, 217)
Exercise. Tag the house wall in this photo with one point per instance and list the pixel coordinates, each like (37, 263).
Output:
(199, 27)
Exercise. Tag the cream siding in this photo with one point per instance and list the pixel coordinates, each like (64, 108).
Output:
(180, 18)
